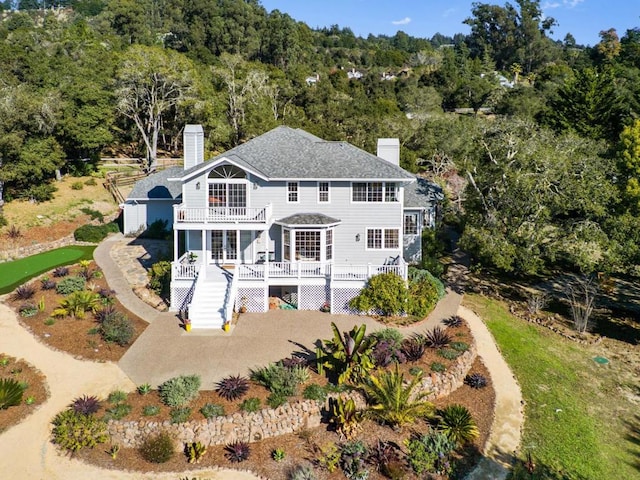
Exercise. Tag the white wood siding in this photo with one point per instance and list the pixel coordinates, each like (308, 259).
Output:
(355, 217)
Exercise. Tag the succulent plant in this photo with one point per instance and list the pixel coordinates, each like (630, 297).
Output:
(61, 272)
(475, 380)
(47, 284)
(86, 404)
(237, 452)
(437, 338)
(24, 292)
(413, 348)
(453, 321)
(233, 387)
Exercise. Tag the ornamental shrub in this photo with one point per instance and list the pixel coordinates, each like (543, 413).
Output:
(73, 430)
(117, 328)
(385, 294)
(95, 233)
(160, 277)
(158, 448)
(179, 391)
(70, 284)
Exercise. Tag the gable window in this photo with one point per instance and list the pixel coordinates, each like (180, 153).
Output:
(292, 192)
(410, 223)
(374, 192)
(323, 192)
(382, 238)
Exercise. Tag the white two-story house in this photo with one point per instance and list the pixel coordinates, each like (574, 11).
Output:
(288, 215)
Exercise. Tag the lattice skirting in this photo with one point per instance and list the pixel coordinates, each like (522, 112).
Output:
(252, 298)
(340, 298)
(181, 298)
(312, 297)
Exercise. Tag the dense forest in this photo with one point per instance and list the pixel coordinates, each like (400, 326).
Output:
(537, 142)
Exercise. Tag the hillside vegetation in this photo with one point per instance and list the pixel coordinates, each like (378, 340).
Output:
(541, 175)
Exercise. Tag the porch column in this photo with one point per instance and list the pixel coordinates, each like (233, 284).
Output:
(175, 245)
(237, 247)
(204, 254)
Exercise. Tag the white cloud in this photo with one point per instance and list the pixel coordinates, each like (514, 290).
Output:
(564, 3)
(404, 21)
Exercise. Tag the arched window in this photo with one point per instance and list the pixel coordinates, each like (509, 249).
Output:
(226, 172)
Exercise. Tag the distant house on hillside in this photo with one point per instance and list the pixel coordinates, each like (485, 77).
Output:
(354, 74)
(312, 80)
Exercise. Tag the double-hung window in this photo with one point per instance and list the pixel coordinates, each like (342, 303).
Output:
(383, 239)
(292, 192)
(323, 192)
(410, 223)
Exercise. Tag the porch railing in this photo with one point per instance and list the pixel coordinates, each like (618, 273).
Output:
(183, 214)
(316, 270)
(185, 269)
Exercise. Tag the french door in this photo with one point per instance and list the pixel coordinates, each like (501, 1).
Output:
(224, 246)
(232, 197)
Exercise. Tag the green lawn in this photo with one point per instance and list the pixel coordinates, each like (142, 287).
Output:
(13, 274)
(579, 419)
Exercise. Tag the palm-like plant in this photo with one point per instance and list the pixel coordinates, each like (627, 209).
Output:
(393, 401)
(10, 393)
(349, 353)
(77, 303)
(456, 422)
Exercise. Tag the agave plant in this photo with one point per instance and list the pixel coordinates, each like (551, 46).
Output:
(86, 405)
(413, 348)
(349, 353)
(394, 401)
(456, 422)
(77, 303)
(453, 321)
(437, 338)
(233, 387)
(10, 393)
(47, 284)
(61, 272)
(24, 292)
(475, 380)
(237, 452)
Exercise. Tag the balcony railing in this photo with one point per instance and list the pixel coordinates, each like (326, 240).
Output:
(222, 214)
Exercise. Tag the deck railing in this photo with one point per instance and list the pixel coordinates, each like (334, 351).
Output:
(184, 268)
(183, 214)
(317, 270)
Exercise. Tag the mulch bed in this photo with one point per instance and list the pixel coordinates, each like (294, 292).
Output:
(304, 447)
(35, 394)
(76, 336)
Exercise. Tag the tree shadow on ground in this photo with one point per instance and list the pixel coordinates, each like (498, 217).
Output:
(633, 437)
(523, 467)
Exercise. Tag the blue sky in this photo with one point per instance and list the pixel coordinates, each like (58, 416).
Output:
(584, 19)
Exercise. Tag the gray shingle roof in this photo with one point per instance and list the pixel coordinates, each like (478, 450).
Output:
(422, 194)
(308, 219)
(287, 153)
(156, 186)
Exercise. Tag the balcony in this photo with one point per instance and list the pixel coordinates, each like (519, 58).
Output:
(217, 215)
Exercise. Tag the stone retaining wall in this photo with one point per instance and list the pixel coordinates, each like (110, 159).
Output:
(22, 252)
(288, 418)
(28, 250)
